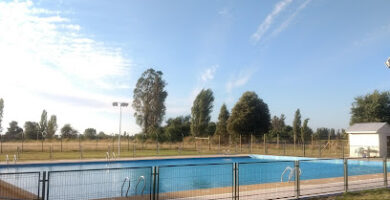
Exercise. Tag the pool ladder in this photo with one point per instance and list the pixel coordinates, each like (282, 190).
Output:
(291, 174)
(127, 179)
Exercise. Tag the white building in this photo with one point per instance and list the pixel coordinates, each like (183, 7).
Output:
(369, 139)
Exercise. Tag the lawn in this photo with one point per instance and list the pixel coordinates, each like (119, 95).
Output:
(93, 149)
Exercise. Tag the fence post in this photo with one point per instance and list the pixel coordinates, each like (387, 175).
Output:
(43, 185)
(236, 186)
(240, 143)
(81, 152)
(51, 151)
(133, 150)
(297, 181)
(17, 152)
(345, 175)
(251, 143)
(158, 148)
(219, 143)
(265, 144)
(196, 147)
(385, 171)
(284, 148)
(155, 182)
(319, 149)
(209, 143)
(304, 150)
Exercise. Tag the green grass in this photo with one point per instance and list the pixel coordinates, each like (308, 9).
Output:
(41, 156)
(361, 195)
(92, 149)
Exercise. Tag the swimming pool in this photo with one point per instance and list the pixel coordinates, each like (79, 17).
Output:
(88, 180)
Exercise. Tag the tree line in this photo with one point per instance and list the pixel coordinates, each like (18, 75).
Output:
(249, 116)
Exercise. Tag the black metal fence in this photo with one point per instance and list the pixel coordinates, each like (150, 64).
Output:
(249, 180)
(24, 185)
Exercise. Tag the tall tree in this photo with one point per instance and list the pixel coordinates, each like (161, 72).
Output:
(296, 125)
(211, 128)
(149, 97)
(43, 123)
(278, 126)
(221, 129)
(305, 130)
(1, 115)
(52, 126)
(67, 131)
(200, 112)
(90, 133)
(374, 107)
(250, 115)
(14, 132)
(31, 130)
(177, 128)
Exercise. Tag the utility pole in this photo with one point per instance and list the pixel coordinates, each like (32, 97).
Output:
(122, 104)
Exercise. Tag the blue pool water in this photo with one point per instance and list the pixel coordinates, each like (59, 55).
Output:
(181, 174)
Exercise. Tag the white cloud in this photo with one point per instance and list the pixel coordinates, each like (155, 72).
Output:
(208, 75)
(226, 12)
(240, 80)
(265, 25)
(46, 63)
(287, 22)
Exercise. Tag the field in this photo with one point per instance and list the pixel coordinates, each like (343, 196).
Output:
(97, 149)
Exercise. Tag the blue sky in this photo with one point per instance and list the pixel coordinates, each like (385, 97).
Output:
(73, 58)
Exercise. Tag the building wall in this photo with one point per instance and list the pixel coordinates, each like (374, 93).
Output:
(383, 143)
(362, 145)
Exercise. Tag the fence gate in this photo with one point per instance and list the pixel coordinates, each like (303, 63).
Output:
(23, 185)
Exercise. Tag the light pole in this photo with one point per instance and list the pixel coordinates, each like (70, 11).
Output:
(120, 104)
(43, 137)
(388, 63)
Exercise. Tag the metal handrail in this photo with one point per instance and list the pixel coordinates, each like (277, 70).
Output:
(141, 178)
(123, 184)
(113, 155)
(107, 156)
(292, 171)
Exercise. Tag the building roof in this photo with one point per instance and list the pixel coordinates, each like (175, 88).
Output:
(371, 127)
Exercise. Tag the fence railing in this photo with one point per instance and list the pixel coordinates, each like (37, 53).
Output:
(54, 149)
(243, 180)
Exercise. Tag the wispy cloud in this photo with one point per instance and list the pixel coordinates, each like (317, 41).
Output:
(225, 11)
(240, 80)
(290, 18)
(46, 59)
(208, 74)
(265, 25)
(376, 34)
